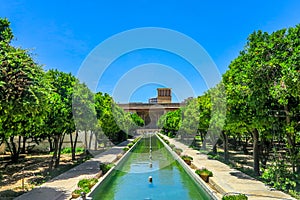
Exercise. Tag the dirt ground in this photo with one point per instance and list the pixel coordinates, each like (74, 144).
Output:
(30, 171)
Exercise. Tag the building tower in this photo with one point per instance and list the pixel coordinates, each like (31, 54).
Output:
(164, 95)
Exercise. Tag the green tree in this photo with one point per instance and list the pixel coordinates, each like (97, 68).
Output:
(114, 122)
(23, 93)
(247, 91)
(170, 122)
(138, 121)
(60, 117)
(284, 49)
(204, 102)
(84, 112)
(262, 79)
(217, 119)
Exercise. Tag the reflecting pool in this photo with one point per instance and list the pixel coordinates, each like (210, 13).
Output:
(130, 179)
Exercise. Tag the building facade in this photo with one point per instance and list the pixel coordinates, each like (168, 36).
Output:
(150, 112)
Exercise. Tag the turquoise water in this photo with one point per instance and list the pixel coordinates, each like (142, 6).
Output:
(130, 179)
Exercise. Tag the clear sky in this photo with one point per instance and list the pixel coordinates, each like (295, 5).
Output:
(61, 34)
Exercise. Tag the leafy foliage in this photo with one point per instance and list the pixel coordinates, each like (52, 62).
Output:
(23, 93)
(113, 121)
(137, 119)
(280, 177)
(170, 122)
(105, 167)
(60, 116)
(235, 197)
(85, 185)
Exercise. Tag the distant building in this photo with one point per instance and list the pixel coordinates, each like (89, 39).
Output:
(187, 100)
(152, 101)
(150, 112)
(164, 95)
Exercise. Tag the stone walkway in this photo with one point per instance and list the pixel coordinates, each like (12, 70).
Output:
(228, 180)
(61, 187)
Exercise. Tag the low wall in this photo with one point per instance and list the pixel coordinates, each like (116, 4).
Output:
(118, 164)
(188, 170)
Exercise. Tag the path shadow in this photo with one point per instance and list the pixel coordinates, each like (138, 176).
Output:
(44, 193)
(9, 194)
(269, 197)
(88, 168)
(241, 175)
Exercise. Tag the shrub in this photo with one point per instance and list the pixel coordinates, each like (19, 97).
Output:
(68, 150)
(125, 149)
(204, 172)
(85, 185)
(197, 137)
(78, 191)
(235, 197)
(82, 183)
(135, 140)
(212, 155)
(187, 159)
(130, 145)
(105, 167)
(178, 151)
(279, 176)
(79, 150)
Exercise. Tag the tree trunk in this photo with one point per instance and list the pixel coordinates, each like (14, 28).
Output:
(15, 149)
(85, 142)
(61, 140)
(204, 144)
(50, 144)
(54, 156)
(245, 145)
(73, 144)
(24, 145)
(96, 141)
(234, 143)
(215, 151)
(255, 135)
(8, 146)
(225, 145)
(265, 152)
(12, 149)
(290, 140)
(91, 138)
(202, 136)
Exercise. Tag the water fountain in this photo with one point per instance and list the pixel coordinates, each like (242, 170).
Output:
(149, 160)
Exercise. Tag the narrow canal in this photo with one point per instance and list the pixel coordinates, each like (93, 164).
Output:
(130, 180)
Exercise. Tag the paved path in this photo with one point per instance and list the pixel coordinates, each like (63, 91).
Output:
(61, 187)
(228, 180)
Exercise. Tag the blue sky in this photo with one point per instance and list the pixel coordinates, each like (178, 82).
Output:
(61, 34)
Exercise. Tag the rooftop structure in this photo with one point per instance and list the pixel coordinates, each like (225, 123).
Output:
(164, 95)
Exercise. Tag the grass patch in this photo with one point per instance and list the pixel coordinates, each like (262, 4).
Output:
(68, 150)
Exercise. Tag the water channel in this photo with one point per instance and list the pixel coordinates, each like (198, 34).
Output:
(130, 179)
